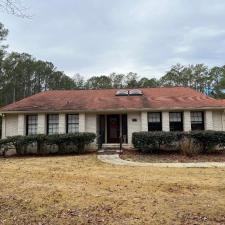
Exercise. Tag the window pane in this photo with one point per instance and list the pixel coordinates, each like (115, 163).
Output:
(72, 123)
(73, 118)
(176, 126)
(31, 124)
(176, 123)
(154, 126)
(54, 118)
(196, 117)
(175, 117)
(32, 119)
(154, 121)
(53, 129)
(154, 117)
(197, 121)
(73, 128)
(53, 124)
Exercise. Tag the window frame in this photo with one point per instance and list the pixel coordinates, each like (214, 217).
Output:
(202, 124)
(74, 123)
(155, 124)
(35, 124)
(179, 124)
(48, 115)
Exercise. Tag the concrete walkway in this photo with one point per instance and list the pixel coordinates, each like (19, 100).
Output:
(116, 160)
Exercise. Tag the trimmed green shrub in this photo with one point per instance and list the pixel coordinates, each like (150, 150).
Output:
(78, 140)
(154, 140)
(20, 143)
(190, 143)
(63, 142)
(208, 139)
(40, 140)
(4, 146)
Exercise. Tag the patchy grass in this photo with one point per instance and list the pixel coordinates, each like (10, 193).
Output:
(82, 190)
(170, 157)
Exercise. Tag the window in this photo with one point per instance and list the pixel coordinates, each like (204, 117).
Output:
(176, 121)
(31, 124)
(154, 121)
(53, 124)
(72, 123)
(197, 121)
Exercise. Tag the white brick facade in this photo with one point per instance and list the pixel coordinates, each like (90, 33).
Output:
(82, 122)
(187, 121)
(165, 121)
(41, 129)
(62, 123)
(15, 124)
(21, 125)
(223, 120)
(217, 120)
(3, 127)
(208, 120)
(133, 124)
(91, 123)
(11, 125)
(144, 121)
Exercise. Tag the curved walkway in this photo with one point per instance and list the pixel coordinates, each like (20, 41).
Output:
(116, 160)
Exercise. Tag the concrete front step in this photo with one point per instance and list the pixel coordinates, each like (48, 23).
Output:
(115, 146)
(108, 151)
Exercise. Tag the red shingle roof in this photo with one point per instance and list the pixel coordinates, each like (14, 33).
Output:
(97, 100)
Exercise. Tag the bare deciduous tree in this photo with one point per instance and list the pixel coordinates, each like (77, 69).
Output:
(14, 7)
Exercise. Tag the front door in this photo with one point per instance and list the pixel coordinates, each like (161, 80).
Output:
(113, 128)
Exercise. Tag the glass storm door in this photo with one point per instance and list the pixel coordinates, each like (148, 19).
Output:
(113, 128)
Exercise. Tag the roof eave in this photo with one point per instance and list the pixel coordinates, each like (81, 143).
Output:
(113, 110)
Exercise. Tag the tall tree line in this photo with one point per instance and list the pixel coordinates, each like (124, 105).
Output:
(22, 75)
(210, 81)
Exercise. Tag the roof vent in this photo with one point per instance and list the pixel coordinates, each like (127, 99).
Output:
(135, 92)
(122, 93)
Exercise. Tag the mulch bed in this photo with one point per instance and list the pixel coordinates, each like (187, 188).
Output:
(168, 157)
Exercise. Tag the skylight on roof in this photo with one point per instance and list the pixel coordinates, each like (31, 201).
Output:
(122, 93)
(135, 92)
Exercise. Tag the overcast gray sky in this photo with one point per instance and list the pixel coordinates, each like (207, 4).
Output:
(94, 37)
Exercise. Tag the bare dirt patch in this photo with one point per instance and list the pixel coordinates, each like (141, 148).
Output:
(82, 190)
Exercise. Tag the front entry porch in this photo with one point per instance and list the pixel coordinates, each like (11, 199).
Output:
(111, 128)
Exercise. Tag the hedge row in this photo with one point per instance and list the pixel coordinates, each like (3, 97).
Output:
(201, 140)
(62, 141)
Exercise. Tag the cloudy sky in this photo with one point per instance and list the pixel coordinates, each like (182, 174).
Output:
(94, 37)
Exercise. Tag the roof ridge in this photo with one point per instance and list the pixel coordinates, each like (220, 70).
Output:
(102, 89)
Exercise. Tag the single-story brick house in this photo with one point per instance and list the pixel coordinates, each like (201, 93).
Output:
(113, 113)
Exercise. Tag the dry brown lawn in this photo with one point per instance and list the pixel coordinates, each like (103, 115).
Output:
(81, 190)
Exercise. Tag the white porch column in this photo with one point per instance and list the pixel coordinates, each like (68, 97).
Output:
(21, 124)
(62, 123)
(165, 121)
(3, 126)
(81, 122)
(223, 121)
(187, 120)
(208, 120)
(144, 121)
(41, 123)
